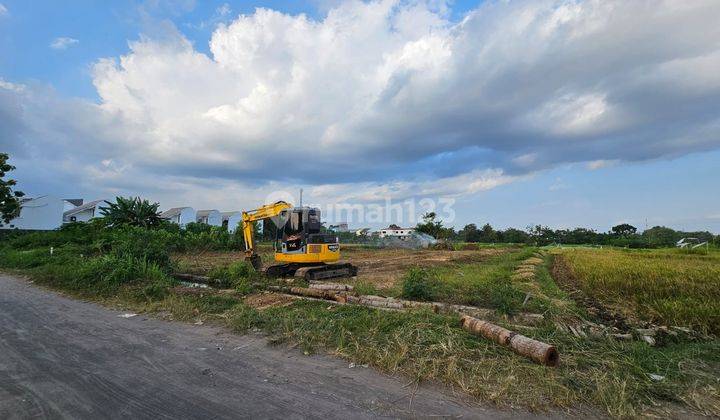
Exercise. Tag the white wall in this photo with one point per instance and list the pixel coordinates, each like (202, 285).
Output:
(214, 218)
(187, 215)
(85, 215)
(42, 213)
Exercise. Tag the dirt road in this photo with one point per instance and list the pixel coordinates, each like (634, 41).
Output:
(61, 357)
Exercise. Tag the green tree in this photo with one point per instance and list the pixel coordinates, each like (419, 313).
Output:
(661, 236)
(514, 236)
(434, 227)
(488, 234)
(542, 235)
(131, 212)
(9, 199)
(470, 233)
(623, 229)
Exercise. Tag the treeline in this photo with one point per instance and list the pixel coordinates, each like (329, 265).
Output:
(623, 235)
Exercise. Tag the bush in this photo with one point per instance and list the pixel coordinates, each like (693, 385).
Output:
(238, 275)
(419, 284)
(240, 270)
(143, 244)
(219, 277)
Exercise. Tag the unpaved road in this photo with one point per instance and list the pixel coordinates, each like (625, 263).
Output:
(63, 358)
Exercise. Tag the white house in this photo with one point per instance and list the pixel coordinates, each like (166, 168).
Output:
(231, 220)
(396, 231)
(83, 213)
(40, 213)
(209, 217)
(179, 215)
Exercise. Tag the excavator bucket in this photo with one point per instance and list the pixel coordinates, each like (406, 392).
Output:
(255, 261)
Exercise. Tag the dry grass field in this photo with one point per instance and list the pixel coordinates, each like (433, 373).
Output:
(670, 287)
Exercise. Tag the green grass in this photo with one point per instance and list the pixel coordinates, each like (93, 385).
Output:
(671, 287)
(610, 377)
(487, 285)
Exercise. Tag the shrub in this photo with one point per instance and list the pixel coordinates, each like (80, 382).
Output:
(219, 277)
(105, 274)
(240, 270)
(238, 275)
(419, 284)
(241, 274)
(143, 244)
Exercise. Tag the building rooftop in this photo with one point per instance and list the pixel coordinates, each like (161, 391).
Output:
(78, 209)
(172, 212)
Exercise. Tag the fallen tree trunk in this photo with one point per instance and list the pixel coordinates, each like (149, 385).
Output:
(316, 293)
(536, 350)
(374, 301)
(400, 304)
(331, 286)
(191, 277)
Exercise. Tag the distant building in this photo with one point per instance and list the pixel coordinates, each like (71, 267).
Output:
(690, 243)
(208, 217)
(179, 215)
(84, 212)
(340, 227)
(396, 231)
(231, 220)
(362, 232)
(41, 213)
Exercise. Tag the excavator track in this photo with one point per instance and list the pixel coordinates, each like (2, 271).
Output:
(312, 272)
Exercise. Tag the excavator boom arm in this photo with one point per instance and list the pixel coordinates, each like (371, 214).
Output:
(249, 217)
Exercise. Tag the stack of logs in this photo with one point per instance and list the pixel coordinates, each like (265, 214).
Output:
(535, 350)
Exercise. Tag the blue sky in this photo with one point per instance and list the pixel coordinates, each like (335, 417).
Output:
(560, 113)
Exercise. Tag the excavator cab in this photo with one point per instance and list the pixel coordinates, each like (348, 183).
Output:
(300, 246)
(301, 234)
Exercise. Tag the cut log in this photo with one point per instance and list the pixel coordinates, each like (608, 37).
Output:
(330, 286)
(401, 304)
(191, 278)
(375, 301)
(535, 350)
(321, 294)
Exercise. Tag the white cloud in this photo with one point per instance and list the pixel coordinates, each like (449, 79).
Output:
(389, 97)
(601, 163)
(558, 185)
(63, 42)
(3, 10)
(223, 10)
(4, 84)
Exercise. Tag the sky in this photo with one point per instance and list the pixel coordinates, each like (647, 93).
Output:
(563, 113)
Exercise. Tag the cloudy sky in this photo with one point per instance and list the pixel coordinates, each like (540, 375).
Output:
(564, 113)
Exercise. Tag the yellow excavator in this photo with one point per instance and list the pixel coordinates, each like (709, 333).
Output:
(299, 245)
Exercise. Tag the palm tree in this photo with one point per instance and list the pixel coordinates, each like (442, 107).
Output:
(131, 212)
